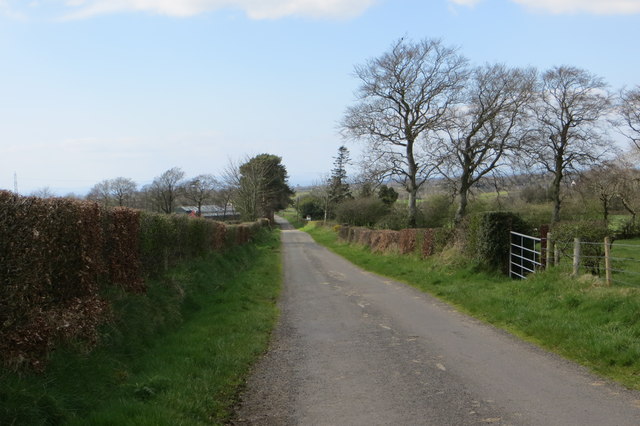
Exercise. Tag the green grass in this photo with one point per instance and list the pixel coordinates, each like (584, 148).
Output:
(577, 318)
(626, 261)
(176, 356)
(291, 215)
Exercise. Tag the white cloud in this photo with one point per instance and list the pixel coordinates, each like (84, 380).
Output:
(466, 2)
(255, 9)
(598, 7)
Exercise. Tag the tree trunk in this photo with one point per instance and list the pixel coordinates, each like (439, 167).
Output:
(412, 187)
(462, 207)
(413, 209)
(465, 185)
(630, 209)
(555, 192)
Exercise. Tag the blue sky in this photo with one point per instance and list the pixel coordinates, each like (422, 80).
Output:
(96, 89)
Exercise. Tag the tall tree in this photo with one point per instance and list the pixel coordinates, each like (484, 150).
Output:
(572, 104)
(200, 189)
(490, 126)
(261, 187)
(165, 188)
(101, 193)
(604, 183)
(338, 186)
(629, 108)
(404, 96)
(222, 197)
(122, 190)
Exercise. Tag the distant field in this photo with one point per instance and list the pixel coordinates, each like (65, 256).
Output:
(626, 262)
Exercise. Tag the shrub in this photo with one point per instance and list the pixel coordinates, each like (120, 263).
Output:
(627, 229)
(564, 233)
(486, 237)
(387, 194)
(361, 211)
(309, 205)
(435, 240)
(437, 211)
(397, 218)
(536, 194)
(534, 214)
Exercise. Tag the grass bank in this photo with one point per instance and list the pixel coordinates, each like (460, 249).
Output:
(577, 318)
(177, 355)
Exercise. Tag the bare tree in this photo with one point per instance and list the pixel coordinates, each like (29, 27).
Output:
(164, 189)
(603, 182)
(101, 193)
(222, 197)
(44, 192)
(629, 109)
(122, 190)
(570, 112)
(322, 192)
(404, 96)
(370, 176)
(628, 184)
(488, 128)
(119, 191)
(200, 190)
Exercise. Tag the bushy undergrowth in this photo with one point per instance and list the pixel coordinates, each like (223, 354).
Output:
(174, 355)
(361, 211)
(591, 235)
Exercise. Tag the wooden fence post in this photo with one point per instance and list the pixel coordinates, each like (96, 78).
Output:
(607, 260)
(549, 251)
(576, 256)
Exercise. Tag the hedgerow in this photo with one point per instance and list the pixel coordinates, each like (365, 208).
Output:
(59, 256)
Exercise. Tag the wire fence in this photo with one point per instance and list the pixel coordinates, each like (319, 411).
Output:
(615, 262)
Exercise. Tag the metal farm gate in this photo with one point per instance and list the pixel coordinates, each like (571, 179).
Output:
(525, 255)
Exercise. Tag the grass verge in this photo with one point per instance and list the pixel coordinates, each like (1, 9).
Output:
(294, 219)
(577, 318)
(177, 355)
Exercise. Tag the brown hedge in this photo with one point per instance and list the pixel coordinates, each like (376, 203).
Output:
(385, 241)
(424, 242)
(408, 239)
(56, 254)
(122, 249)
(51, 257)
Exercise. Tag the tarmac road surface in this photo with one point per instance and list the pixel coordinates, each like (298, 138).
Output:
(354, 348)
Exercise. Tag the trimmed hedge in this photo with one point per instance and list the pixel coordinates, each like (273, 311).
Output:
(484, 237)
(423, 242)
(57, 256)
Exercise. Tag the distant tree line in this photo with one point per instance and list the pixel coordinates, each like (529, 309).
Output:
(255, 188)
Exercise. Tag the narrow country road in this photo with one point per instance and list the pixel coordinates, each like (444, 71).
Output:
(353, 348)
